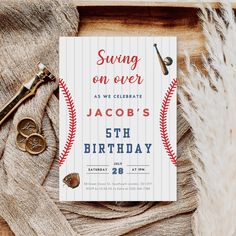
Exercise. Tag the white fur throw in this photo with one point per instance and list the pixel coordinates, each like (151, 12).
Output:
(210, 108)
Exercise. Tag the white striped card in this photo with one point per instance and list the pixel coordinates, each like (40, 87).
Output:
(118, 118)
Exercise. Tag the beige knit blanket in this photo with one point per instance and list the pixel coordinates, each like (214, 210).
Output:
(29, 33)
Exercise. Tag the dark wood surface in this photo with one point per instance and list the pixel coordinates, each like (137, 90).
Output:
(147, 21)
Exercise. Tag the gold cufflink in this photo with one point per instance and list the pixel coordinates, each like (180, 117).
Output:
(35, 144)
(28, 138)
(27, 126)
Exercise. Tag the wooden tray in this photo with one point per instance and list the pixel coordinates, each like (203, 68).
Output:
(180, 21)
(150, 3)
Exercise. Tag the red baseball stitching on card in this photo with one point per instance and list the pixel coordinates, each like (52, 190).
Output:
(163, 121)
(72, 122)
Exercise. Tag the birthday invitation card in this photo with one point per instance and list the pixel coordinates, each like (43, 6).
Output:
(118, 118)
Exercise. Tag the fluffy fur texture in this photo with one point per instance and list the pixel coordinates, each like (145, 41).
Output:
(209, 103)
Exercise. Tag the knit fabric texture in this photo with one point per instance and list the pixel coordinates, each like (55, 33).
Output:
(29, 33)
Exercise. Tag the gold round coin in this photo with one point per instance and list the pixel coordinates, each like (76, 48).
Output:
(27, 126)
(35, 144)
(21, 142)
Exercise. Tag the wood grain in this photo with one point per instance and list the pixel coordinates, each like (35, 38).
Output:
(4, 229)
(150, 3)
(147, 21)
